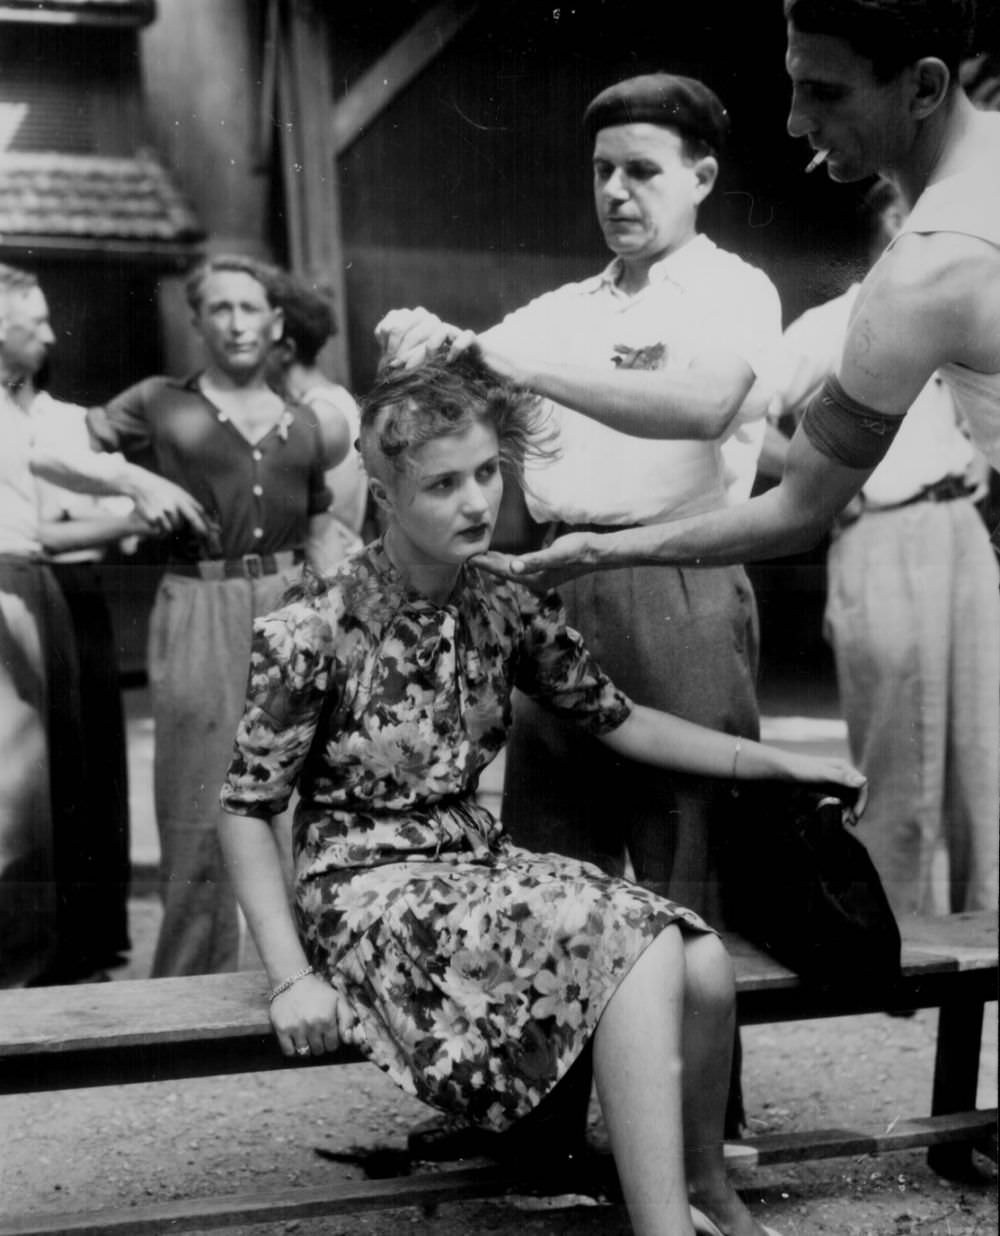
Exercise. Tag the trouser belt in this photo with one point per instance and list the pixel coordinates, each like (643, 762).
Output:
(249, 566)
(557, 528)
(947, 489)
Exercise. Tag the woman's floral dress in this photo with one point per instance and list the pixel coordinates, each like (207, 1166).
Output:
(471, 971)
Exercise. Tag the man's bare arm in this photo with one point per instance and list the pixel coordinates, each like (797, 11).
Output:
(697, 402)
(160, 502)
(58, 536)
(907, 322)
(790, 517)
(913, 316)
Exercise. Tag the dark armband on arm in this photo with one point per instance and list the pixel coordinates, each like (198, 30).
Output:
(845, 430)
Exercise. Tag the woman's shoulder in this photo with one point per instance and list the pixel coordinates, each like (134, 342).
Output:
(513, 601)
(340, 600)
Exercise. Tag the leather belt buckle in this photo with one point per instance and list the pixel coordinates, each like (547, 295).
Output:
(253, 566)
(948, 489)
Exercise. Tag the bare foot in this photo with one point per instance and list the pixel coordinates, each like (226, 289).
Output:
(727, 1211)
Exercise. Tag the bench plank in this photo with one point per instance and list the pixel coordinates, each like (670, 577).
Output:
(39, 1020)
(165, 1029)
(971, 939)
(169, 1010)
(33, 1059)
(285, 1203)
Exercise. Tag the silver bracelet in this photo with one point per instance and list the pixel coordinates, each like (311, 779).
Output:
(735, 789)
(289, 982)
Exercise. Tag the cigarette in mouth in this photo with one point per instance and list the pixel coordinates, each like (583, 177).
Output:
(818, 159)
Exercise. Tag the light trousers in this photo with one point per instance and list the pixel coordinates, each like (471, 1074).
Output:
(199, 657)
(913, 614)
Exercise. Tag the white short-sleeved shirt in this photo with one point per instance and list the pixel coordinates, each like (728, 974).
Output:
(740, 452)
(23, 439)
(56, 422)
(18, 493)
(700, 297)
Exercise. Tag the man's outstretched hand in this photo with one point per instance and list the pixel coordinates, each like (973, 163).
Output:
(568, 557)
(165, 506)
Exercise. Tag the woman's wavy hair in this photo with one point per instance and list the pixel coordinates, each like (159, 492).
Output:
(405, 409)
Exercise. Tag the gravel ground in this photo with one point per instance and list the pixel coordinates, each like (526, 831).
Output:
(129, 1145)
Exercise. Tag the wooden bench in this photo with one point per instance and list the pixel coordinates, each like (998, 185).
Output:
(160, 1030)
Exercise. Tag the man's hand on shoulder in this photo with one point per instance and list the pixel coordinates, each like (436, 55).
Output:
(568, 557)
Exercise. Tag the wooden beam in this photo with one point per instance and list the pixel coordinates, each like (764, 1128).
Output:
(267, 120)
(392, 73)
(309, 163)
(140, 13)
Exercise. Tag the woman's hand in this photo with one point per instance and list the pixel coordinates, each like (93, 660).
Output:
(305, 1018)
(832, 775)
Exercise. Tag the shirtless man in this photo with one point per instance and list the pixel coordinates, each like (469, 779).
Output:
(874, 89)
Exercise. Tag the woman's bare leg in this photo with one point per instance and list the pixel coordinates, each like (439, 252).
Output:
(676, 1004)
(637, 1068)
(709, 1024)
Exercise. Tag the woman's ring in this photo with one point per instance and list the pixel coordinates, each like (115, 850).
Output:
(302, 1051)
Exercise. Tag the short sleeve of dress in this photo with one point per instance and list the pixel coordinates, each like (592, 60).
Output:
(554, 668)
(291, 672)
(123, 424)
(319, 496)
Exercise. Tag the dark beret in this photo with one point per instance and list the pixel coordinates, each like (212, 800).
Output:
(681, 103)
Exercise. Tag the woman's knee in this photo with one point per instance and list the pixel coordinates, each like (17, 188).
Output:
(708, 971)
(661, 966)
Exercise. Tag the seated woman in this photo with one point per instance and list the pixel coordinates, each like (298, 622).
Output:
(473, 972)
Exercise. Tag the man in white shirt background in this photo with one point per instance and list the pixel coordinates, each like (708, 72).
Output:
(37, 659)
(94, 870)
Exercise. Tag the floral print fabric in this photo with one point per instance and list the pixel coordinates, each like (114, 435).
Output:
(472, 971)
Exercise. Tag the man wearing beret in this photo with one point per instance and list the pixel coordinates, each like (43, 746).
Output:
(645, 367)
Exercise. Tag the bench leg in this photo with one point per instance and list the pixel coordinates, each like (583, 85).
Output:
(956, 1078)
